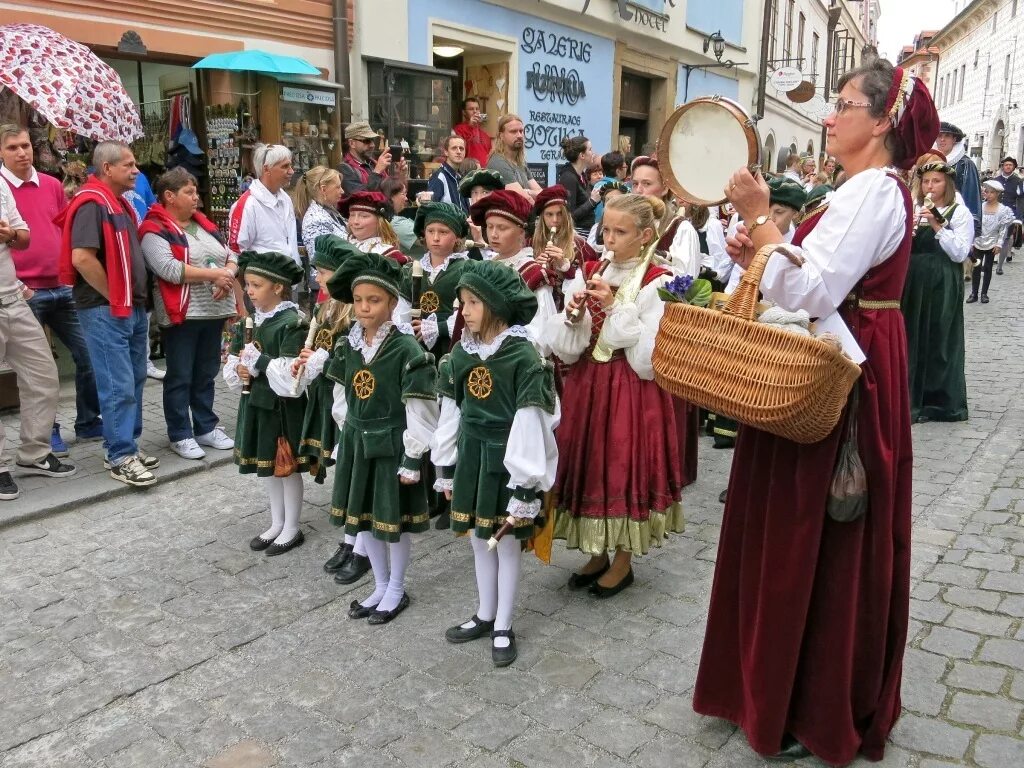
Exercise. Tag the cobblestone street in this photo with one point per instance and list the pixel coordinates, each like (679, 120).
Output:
(142, 632)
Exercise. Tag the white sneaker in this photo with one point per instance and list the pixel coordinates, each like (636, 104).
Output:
(188, 449)
(153, 372)
(218, 439)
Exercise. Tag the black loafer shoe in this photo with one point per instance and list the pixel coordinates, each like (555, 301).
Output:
(603, 593)
(584, 580)
(357, 611)
(353, 570)
(984, 299)
(443, 521)
(791, 750)
(480, 628)
(722, 496)
(258, 545)
(280, 549)
(339, 558)
(383, 617)
(971, 299)
(502, 657)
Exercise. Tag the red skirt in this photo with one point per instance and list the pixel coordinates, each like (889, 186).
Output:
(619, 443)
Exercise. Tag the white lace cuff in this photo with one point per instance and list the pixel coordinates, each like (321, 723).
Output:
(315, 364)
(230, 373)
(409, 474)
(523, 510)
(442, 484)
(249, 357)
(429, 331)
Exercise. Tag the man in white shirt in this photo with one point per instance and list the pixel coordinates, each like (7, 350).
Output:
(23, 345)
(793, 168)
(263, 218)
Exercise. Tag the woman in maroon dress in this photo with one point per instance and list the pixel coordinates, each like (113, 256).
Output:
(808, 617)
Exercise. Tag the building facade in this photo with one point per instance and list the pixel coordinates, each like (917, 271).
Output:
(979, 82)
(921, 58)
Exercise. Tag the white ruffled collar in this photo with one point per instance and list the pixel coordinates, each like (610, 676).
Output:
(514, 262)
(357, 339)
(260, 317)
(473, 346)
(429, 268)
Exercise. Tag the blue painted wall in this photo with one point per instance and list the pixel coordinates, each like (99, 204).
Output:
(711, 15)
(544, 47)
(705, 84)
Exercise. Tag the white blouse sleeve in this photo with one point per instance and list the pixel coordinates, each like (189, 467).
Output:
(956, 239)
(230, 374)
(531, 455)
(1005, 221)
(280, 379)
(632, 327)
(420, 425)
(684, 253)
(444, 444)
(569, 341)
(545, 309)
(717, 258)
(339, 410)
(863, 226)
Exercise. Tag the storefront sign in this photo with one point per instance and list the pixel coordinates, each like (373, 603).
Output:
(554, 83)
(559, 46)
(544, 131)
(308, 96)
(639, 14)
(538, 172)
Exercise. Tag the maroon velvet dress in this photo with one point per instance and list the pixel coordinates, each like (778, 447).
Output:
(808, 617)
(620, 466)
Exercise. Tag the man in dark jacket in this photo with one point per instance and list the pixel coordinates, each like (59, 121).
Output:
(359, 171)
(951, 143)
(1012, 198)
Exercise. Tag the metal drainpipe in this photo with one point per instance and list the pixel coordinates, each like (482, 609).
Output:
(341, 54)
(766, 30)
(834, 12)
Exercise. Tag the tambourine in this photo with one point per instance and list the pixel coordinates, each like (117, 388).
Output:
(702, 145)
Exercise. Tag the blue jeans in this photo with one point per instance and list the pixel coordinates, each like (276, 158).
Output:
(55, 308)
(118, 348)
(192, 352)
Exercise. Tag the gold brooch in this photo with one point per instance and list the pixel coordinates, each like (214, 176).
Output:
(480, 384)
(363, 384)
(430, 302)
(324, 339)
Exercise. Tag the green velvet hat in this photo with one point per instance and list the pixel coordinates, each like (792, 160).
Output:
(330, 251)
(817, 196)
(501, 289)
(360, 268)
(450, 215)
(271, 265)
(481, 177)
(786, 192)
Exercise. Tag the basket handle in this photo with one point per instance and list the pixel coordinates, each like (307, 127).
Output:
(743, 301)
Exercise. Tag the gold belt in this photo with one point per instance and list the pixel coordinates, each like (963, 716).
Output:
(869, 304)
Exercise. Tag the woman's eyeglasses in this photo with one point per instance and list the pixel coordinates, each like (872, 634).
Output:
(841, 105)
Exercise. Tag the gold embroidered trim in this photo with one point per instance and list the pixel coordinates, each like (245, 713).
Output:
(363, 383)
(479, 383)
(430, 302)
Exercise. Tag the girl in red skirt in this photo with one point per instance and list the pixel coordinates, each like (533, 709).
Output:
(620, 476)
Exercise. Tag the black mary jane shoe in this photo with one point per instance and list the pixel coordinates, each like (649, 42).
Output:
(353, 569)
(584, 580)
(383, 617)
(280, 549)
(357, 611)
(339, 558)
(502, 657)
(791, 750)
(603, 593)
(258, 545)
(458, 634)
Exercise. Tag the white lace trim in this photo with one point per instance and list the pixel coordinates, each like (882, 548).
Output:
(474, 346)
(435, 272)
(357, 340)
(442, 484)
(523, 510)
(261, 317)
(409, 474)
(515, 262)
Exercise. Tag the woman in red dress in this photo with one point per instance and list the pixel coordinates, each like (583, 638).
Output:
(808, 617)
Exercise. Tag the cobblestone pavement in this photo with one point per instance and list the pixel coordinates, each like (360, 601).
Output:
(143, 632)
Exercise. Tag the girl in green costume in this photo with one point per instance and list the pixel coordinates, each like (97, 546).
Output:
(272, 409)
(494, 447)
(386, 408)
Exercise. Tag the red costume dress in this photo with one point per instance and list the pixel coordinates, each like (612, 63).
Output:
(620, 470)
(808, 617)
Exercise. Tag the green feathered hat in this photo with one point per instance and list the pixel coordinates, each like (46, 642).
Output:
(501, 289)
(330, 251)
(360, 268)
(786, 192)
(271, 265)
(450, 215)
(481, 177)
(817, 196)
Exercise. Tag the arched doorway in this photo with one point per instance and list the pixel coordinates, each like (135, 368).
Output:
(998, 142)
(769, 152)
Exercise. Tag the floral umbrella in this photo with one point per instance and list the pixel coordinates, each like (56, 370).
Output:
(67, 83)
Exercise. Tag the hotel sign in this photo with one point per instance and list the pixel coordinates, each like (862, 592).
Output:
(638, 12)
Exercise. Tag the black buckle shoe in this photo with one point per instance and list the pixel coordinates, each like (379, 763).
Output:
(357, 611)
(383, 617)
(603, 593)
(280, 549)
(458, 634)
(258, 545)
(339, 558)
(353, 570)
(502, 657)
(584, 580)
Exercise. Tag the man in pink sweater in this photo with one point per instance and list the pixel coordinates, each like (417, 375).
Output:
(41, 198)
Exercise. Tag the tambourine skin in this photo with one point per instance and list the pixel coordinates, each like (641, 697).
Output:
(702, 144)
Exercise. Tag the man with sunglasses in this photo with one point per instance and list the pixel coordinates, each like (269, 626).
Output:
(359, 171)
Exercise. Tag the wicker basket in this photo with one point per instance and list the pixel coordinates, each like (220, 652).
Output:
(777, 381)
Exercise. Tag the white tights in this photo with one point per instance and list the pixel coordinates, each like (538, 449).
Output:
(357, 542)
(388, 578)
(497, 581)
(285, 494)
